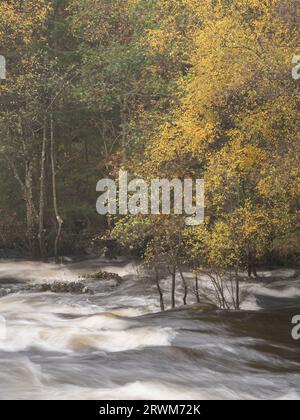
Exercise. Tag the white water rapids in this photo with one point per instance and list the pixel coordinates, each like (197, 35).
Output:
(114, 344)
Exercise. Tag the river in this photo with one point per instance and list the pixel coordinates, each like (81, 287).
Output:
(115, 344)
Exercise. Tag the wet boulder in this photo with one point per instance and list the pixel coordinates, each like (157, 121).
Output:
(65, 287)
(5, 292)
(103, 275)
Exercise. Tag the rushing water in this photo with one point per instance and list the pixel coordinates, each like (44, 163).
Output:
(115, 345)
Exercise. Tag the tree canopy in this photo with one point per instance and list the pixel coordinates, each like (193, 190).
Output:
(167, 88)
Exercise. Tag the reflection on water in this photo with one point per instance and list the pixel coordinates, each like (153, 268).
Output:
(115, 345)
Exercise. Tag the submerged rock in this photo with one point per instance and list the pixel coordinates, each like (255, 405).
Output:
(64, 287)
(5, 292)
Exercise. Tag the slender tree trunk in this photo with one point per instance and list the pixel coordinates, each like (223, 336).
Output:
(54, 192)
(238, 294)
(173, 288)
(252, 265)
(197, 288)
(249, 264)
(160, 292)
(254, 269)
(42, 195)
(27, 195)
(30, 213)
(224, 303)
(185, 288)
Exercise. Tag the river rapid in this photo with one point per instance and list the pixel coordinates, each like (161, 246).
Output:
(115, 344)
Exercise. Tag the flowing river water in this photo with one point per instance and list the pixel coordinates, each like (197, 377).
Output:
(114, 344)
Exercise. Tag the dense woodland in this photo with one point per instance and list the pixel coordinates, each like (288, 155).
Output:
(164, 89)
